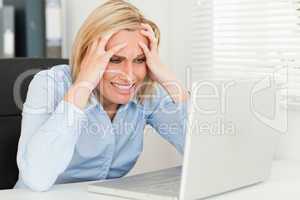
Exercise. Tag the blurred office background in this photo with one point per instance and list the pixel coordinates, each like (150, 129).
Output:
(31, 28)
(200, 38)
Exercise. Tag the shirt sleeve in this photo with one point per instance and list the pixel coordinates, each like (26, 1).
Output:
(49, 131)
(168, 118)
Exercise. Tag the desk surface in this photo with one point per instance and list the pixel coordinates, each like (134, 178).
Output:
(284, 183)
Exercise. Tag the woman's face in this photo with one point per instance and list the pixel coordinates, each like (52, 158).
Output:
(126, 69)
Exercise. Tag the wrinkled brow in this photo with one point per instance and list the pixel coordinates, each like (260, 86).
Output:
(122, 57)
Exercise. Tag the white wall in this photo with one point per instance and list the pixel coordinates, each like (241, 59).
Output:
(180, 56)
(75, 12)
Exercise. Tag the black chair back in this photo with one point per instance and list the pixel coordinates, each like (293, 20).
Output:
(15, 76)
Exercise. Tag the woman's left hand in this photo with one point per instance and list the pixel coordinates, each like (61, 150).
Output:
(157, 71)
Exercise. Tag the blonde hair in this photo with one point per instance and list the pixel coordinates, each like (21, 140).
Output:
(114, 15)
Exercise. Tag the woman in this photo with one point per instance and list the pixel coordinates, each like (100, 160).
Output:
(85, 121)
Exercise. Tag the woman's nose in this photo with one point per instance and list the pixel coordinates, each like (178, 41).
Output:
(127, 70)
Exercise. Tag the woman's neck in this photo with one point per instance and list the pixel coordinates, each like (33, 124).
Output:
(109, 107)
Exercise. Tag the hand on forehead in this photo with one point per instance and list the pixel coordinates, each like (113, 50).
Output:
(132, 38)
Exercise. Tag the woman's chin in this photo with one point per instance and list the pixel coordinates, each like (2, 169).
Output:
(120, 98)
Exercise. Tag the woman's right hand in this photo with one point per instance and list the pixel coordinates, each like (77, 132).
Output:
(91, 70)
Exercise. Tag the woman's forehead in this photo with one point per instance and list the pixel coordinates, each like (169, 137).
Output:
(132, 38)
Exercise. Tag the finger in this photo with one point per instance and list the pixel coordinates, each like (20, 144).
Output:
(150, 33)
(91, 49)
(104, 40)
(145, 49)
(148, 28)
(90, 52)
(152, 39)
(115, 49)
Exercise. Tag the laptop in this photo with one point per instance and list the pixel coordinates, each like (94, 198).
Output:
(230, 143)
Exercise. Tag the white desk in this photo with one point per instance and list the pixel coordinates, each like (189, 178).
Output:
(284, 183)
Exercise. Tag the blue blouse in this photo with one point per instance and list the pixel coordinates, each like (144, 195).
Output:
(60, 143)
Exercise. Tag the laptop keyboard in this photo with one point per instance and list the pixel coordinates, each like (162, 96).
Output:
(171, 187)
(163, 182)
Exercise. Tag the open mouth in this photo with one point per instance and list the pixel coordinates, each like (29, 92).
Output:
(124, 88)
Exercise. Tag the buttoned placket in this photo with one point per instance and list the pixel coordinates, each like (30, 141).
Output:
(93, 103)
